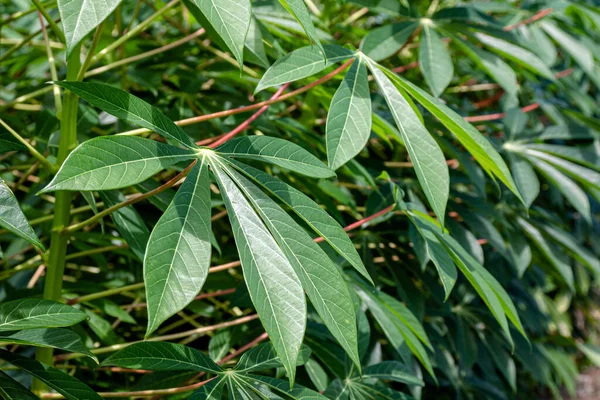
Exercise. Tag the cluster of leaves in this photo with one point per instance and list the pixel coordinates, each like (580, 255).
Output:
(457, 229)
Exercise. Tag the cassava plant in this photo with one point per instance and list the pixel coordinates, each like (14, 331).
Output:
(170, 228)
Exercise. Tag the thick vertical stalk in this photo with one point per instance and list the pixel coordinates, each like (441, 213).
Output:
(55, 266)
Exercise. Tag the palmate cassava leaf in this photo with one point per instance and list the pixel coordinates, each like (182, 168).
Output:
(162, 356)
(479, 147)
(434, 61)
(302, 63)
(128, 107)
(320, 278)
(349, 118)
(392, 371)
(13, 390)
(178, 252)
(114, 162)
(80, 17)
(213, 390)
(298, 9)
(276, 151)
(274, 287)
(427, 157)
(65, 384)
(37, 313)
(13, 219)
(229, 19)
(311, 213)
(57, 338)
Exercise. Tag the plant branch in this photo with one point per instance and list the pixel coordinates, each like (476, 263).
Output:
(57, 31)
(539, 15)
(90, 54)
(53, 74)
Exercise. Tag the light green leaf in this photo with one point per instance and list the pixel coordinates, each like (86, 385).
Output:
(435, 62)
(284, 388)
(13, 390)
(129, 108)
(13, 219)
(584, 175)
(298, 9)
(517, 54)
(276, 151)
(479, 147)
(551, 255)
(230, 19)
(178, 253)
(580, 53)
(162, 356)
(587, 156)
(113, 162)
(311, 213)
(302, 63)
(273, 285)
(427, 157)
(592, 352)
(392, 371)
(349, 117)
(57, 338)
(320, 278)
(129, 223)
(525, 178)
(385, 41)
(64, 384)
(255, 46)
(317, 374)
(265, 357)
(37, 313)
(80, 17)
(582, 254)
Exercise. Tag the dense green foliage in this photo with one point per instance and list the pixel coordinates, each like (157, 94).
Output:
(158, 240)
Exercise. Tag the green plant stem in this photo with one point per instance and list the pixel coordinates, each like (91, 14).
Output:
(90, 54)
(59, 34)
(102, 53)
(20, 14)
(31, 149)
(53, 74)
(62, 207)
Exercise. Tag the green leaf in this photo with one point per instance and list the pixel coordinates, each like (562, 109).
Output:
(493, 65)
(298, 9)
(276, 151)
(525, 178)
(302, 63)
(284, 388)
(311, 213)
(387, 40)
(230, 19)
(392, 371)
(129, 108)
(65, 384)
(582, 254)
(349, 117)
(13, 219)
(427, 157)
(576, 196)
(265, 357)
(580, 53)
(434, 61)
(9, 143)
(584, 155)
(13, 390)
(584, 175)
(114, 162)
(563, 269)
(162, 356)
(37, 313)
(517, 54)
(317, 375)
(129, 223)
(479, 147)
(273, 285)
(255, 46)
(213, 390)
(80, 17)
(178, 253)
(440, 257)
(320, 278)
(591, 351)
(57, 338)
